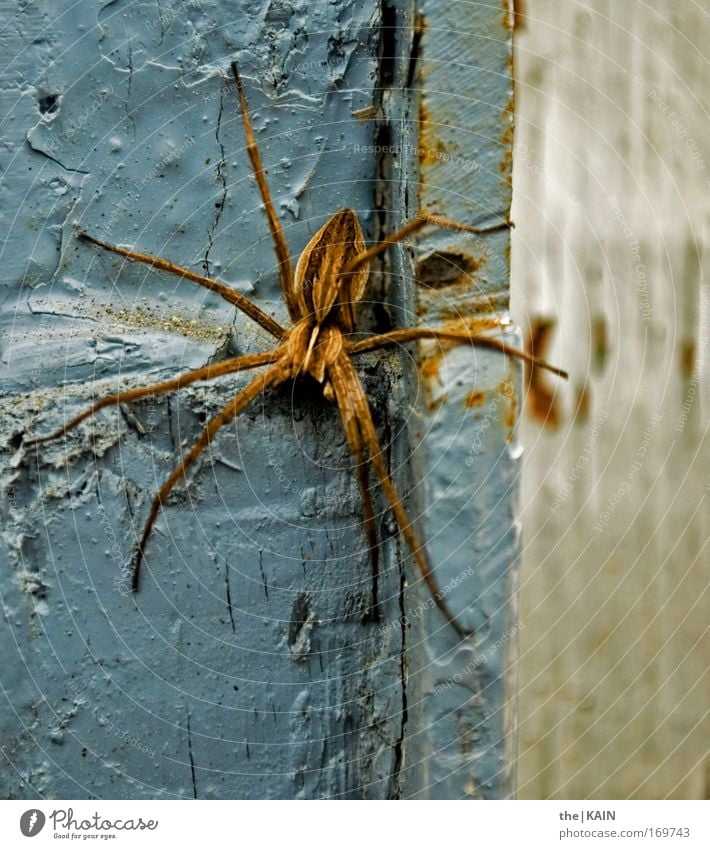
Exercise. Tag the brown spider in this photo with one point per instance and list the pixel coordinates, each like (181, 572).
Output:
(321, 297)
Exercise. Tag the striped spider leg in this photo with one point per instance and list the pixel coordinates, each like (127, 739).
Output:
(321, 295)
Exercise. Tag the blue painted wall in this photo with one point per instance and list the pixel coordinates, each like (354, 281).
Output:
(243, 668)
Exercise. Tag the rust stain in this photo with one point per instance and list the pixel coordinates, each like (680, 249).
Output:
(584, 404)
(507, 136)
(508, 14)
(470, 790)
(435, 351)
(542, 402)
(429, 367)
(482, 311)
(687, 358)
(435, 403)
(509, 129)
(429, 154)
(509, 412)
(599, 343)
(451, 311)
(423, 114)
(423, 131)
(475, 398)
(469, 734)
(420, 24)
(473, 324)
(505, 166)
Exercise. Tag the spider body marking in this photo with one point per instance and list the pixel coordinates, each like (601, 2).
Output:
(321, 297)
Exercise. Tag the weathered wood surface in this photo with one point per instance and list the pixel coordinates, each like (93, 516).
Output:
(243, 667)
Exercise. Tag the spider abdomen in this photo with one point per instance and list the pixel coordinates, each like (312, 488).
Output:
(320, 286)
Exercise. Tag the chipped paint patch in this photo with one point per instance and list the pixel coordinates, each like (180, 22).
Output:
(509, 410)
(505, 166)
(475, 398)
(442, 269)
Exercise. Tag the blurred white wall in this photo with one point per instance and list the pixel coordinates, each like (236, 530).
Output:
(612, 212)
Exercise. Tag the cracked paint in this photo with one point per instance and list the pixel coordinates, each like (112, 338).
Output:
(206, 696)
(141, 145)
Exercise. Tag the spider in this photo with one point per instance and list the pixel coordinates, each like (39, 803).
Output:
(321, 297)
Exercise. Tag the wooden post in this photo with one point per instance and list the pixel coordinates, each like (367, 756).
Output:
(462, 726)
(244, 667)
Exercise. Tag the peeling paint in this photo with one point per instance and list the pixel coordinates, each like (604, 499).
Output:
(442, 268)
(199, 664)
(196, 667)
(469, 435)
(509, 412)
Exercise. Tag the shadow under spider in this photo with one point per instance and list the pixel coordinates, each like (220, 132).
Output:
(321, 296)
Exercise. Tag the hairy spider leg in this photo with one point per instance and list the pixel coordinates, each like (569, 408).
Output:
(230, 366)
(351, 395)
(357, 447)
(277, 234)
(236, 298)
(412, 227)
(410, 334)
(277, 373)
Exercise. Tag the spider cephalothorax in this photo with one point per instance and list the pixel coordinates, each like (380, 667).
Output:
(321, 296)
(325, 296)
